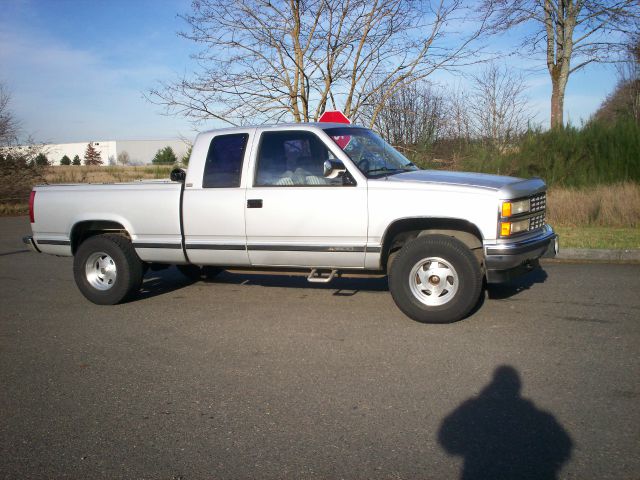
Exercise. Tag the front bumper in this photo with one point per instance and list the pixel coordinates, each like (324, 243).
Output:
(507, 260)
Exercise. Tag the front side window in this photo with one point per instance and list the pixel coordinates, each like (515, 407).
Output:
(293, 158)
(371, 154)
(223, 166)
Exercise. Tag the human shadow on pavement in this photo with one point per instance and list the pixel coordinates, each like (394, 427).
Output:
(501, 291)
(502, 435)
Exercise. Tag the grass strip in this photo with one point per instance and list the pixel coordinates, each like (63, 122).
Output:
(598, 237)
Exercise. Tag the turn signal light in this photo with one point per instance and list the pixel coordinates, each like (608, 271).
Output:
(511, 228)
(515, 208)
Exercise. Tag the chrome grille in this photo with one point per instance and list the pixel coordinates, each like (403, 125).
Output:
(538, 202)
(536, 216)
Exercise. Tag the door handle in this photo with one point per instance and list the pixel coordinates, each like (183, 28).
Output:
(254, 203)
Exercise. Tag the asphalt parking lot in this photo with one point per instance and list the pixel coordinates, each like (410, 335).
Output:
(254, 376)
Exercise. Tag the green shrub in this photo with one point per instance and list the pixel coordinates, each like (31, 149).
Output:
(597, 153)
(165, 156)
(41, 160)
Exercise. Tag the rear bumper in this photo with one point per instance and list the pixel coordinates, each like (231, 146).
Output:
(29, 242)
(507, 260)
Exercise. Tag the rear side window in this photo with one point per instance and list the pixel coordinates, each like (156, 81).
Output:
(224, 161)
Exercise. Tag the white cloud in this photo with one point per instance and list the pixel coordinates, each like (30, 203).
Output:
(62, 93)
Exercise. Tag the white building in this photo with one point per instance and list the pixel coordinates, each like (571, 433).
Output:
(141, 152)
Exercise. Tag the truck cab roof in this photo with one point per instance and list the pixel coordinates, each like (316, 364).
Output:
(284, 126)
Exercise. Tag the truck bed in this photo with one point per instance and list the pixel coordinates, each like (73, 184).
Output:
(148, 210)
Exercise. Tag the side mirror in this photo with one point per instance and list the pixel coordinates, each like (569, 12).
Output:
(178, 175)
(333, 168)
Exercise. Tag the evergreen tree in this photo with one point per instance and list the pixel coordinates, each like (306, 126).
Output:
(76, 160)
(186, 156)
(65, 160)
(165, 156)
(41, 160)
(92, 156)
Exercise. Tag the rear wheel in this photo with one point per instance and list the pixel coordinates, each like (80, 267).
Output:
(107, 269)
(435, 279)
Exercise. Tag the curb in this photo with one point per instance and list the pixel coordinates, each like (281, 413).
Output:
(599, 255)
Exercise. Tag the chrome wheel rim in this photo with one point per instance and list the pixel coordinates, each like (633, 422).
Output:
(433, 281)
(100, 271)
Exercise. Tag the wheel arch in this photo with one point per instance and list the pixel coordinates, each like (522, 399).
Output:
(406, 229)
(88, 228)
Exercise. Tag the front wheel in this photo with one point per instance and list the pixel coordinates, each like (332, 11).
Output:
(435, 279)
(107, 269)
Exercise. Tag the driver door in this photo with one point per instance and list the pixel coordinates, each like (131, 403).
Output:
(295, 216)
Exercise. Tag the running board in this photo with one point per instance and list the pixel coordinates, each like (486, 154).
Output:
(318, 277)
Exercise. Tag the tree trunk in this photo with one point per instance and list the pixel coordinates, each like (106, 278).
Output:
(557, 103)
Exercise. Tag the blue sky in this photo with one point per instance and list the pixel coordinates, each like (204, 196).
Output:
(77, 70)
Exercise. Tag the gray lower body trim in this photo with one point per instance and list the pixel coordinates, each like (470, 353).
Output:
(305, 248)
(264, 247)
(53, 242)
(171, 246)
(212, 246)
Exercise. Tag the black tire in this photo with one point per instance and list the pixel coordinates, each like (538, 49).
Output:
(458, 293)
(118, 254)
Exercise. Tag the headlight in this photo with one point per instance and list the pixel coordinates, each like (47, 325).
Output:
(511, 228)
(515, 208)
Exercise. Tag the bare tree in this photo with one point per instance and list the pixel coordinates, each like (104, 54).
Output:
(123, 158)
(498, 107)
(629, 73)
(414, 115)
(19, 170)
(458, 124)
(8, 122)
(290, 59)
(571, 34)
(625, 99)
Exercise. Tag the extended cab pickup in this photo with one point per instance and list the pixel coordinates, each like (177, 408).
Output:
(325, 197)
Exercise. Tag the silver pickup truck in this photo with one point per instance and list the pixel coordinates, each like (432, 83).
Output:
(323, 197)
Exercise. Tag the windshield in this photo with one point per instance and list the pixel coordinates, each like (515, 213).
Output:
(371, 154)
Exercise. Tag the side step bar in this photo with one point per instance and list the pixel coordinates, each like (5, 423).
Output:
(318, 277)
